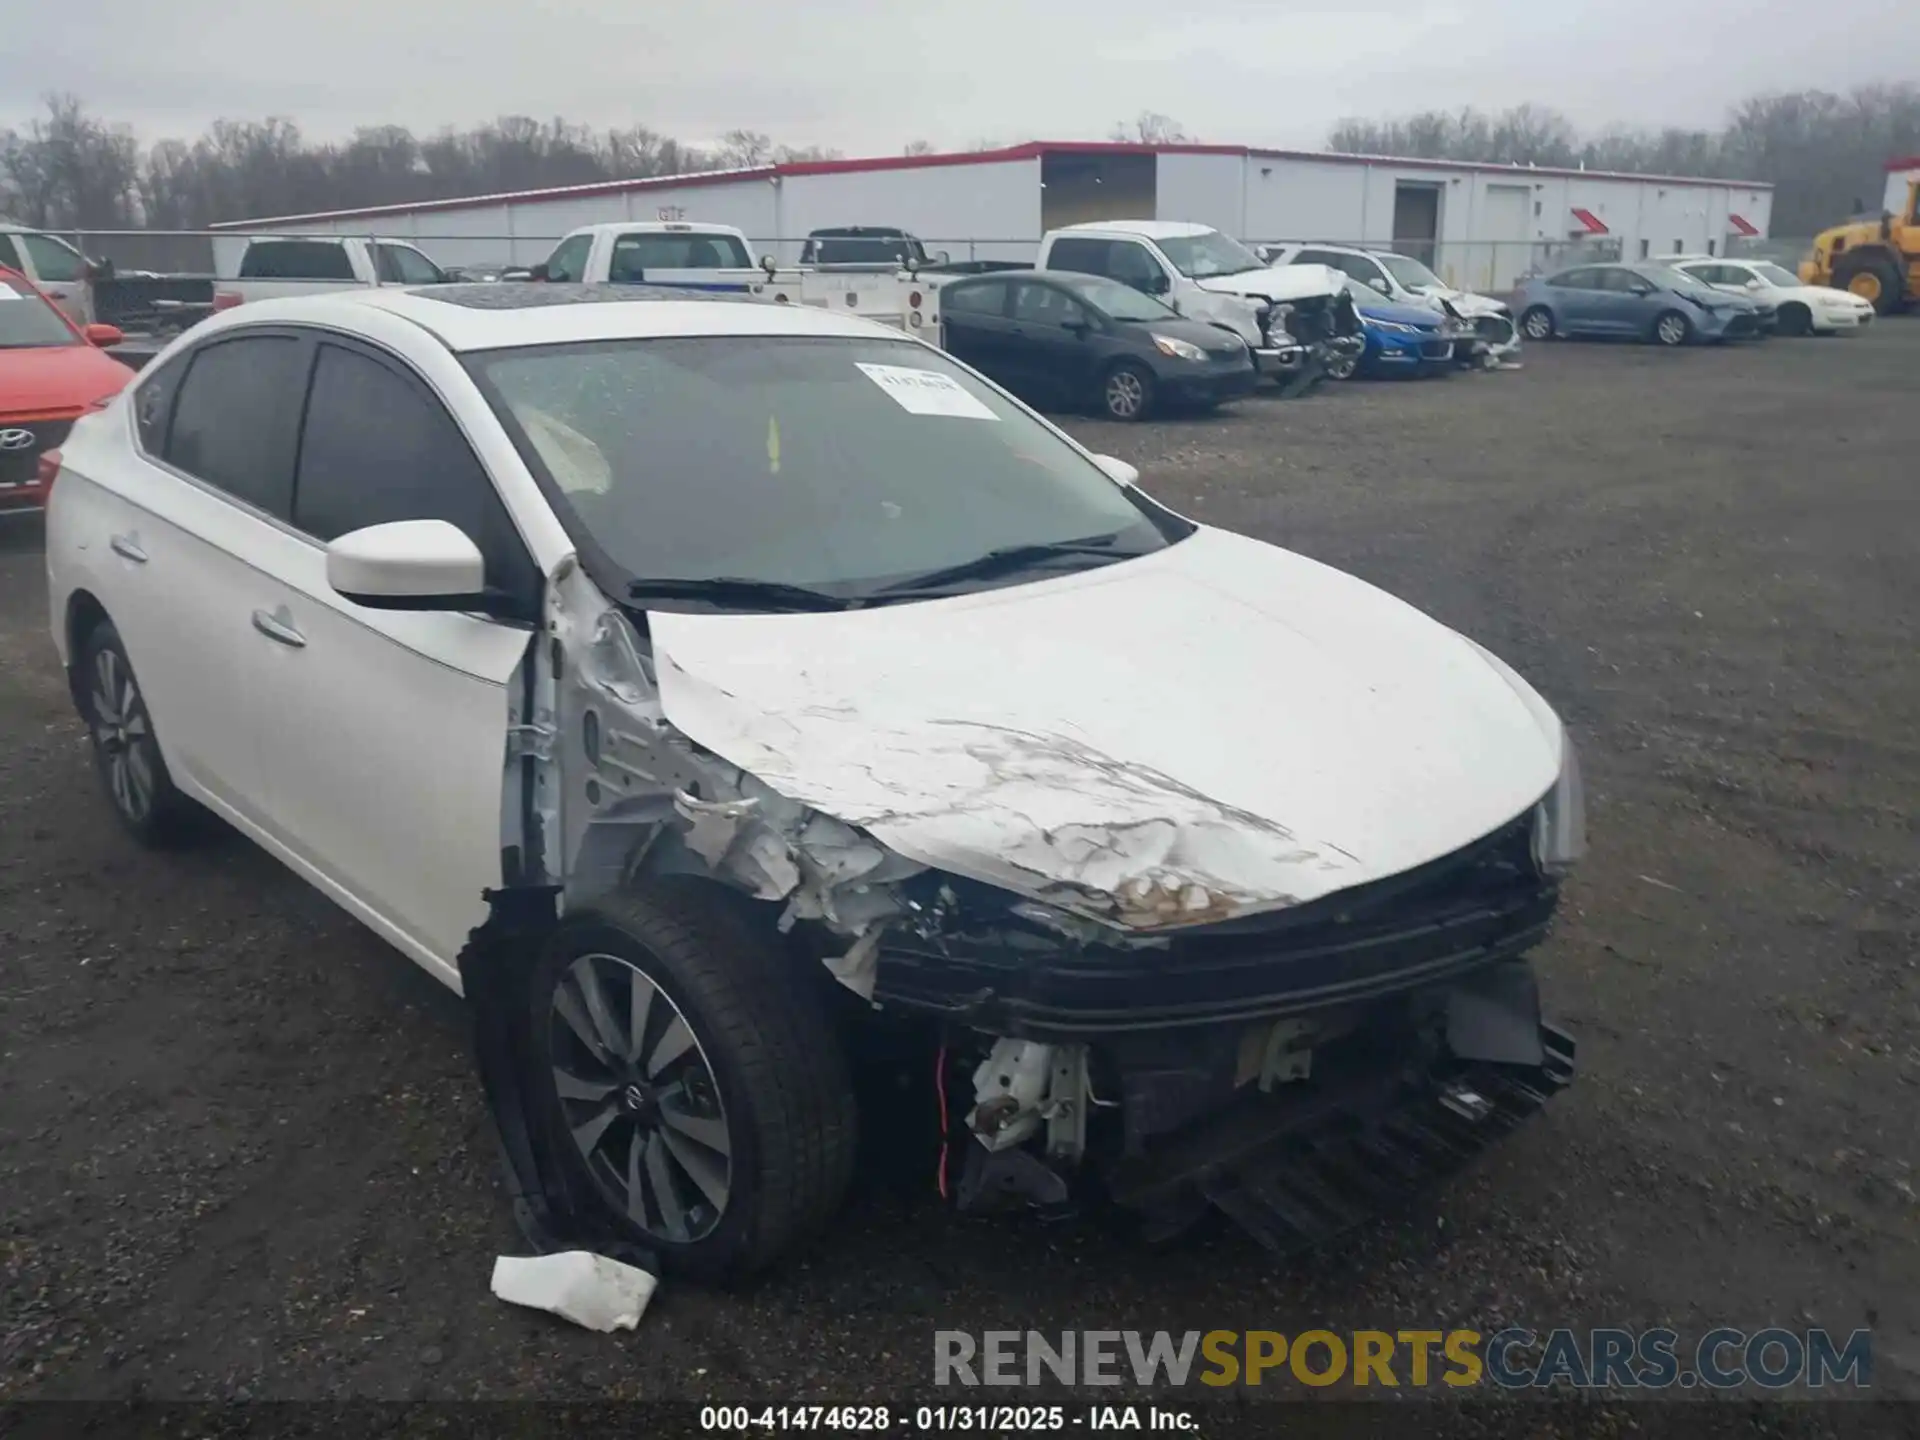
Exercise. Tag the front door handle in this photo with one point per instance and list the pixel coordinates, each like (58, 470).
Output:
(128, 547)
(278, 625)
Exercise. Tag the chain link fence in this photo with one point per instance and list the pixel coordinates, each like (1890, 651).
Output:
(1494, 266)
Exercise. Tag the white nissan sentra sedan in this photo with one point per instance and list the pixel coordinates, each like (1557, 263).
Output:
(692, 683)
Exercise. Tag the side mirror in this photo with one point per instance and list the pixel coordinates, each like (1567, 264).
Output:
(766, 264)
(104, 336)
(408, 565)
(1263, 253)
(1754, 283)
(1118, 470)
(97, 270)
(1158, 283)
(941, 257)
(537, 272)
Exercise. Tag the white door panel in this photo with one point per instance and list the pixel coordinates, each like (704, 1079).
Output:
(180, 598)
(383, 739)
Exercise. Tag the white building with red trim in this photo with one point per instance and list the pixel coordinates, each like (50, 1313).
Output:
(1480, 225)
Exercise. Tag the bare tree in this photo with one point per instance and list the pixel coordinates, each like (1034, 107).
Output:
(1151, 128)
(917, 147)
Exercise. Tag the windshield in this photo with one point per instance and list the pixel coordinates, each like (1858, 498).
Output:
(674, 251)
(1673, 279)
(29, 323)
(1208, 253)
(1120, 302)
(1775, 275)
(838, 464)
(875, 250)
(1410, 273)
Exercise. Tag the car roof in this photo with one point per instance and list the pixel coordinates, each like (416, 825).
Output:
(510, 314)
(858, 232)
(653, 227)
(1147, 229)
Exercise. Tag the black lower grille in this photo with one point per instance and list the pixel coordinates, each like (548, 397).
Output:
(1436, 349)
(1482, 903)
(20, 462)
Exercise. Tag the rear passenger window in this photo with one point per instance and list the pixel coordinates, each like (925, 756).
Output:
(988, 298)
(296, 260)
(378, 446)
(234, 419)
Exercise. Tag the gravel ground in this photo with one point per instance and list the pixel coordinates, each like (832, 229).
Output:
(243, 1152)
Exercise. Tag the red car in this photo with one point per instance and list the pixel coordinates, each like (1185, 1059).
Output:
(51, 373)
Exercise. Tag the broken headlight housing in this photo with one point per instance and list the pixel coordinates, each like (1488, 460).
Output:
(1560, 819)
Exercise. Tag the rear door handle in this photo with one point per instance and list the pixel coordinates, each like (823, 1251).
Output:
(128, 547)
(278, 625)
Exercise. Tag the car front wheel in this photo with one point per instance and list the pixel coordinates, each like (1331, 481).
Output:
(694, 1078)
(1127, 392)
(1672, 328)
(1537, 323)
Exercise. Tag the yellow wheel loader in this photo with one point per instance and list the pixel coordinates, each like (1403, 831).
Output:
(1877, 259)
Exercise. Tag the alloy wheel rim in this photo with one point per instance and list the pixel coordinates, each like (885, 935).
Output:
(122, 735)
(640, 1099)
(1343, 368)
(1672, 331)
(1537, 326)
(1124, 393)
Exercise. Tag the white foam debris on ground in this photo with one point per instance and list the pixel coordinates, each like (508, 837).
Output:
(577, 1285)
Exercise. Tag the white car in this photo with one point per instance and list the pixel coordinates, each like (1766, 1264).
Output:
(1801, 309)
(684, 679)
(1405, 281)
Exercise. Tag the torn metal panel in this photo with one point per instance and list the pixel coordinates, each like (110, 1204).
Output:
(1206, 732)
(624, 791)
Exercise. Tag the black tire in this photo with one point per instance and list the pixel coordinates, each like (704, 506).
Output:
(125, 748)
(781, 1094)
(1671, 329)
(1126, 391)
(1345, 367)
(1537, 324)
(1892, 296)
(1795, 319)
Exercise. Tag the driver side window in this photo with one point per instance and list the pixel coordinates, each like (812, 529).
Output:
(569, 261)
(378, 446)
(56, 262)
(1131, 264)
(1043, 305)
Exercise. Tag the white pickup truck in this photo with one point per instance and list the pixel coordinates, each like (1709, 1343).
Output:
(270, 267)
(1297, 319)
(686, 255)
(93, 292)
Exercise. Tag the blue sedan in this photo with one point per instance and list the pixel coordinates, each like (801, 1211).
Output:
(1642, 302)
(1401, 339)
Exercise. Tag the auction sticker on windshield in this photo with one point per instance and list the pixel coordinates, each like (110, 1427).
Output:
(926, 392)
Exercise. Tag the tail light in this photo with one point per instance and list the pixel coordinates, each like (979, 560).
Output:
(914, 299)
(47, 470)
(225, 299)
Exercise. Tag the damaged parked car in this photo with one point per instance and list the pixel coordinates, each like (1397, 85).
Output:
(684, 680)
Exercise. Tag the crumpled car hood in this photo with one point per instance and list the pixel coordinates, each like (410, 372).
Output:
(1219, 728)
(1280, 282)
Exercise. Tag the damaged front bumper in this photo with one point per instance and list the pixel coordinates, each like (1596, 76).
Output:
(1294, 1072)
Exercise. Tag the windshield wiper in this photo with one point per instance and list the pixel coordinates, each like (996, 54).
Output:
(1006, 559)
(736, 589)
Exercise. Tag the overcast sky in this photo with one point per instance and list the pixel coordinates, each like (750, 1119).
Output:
(866, 76)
